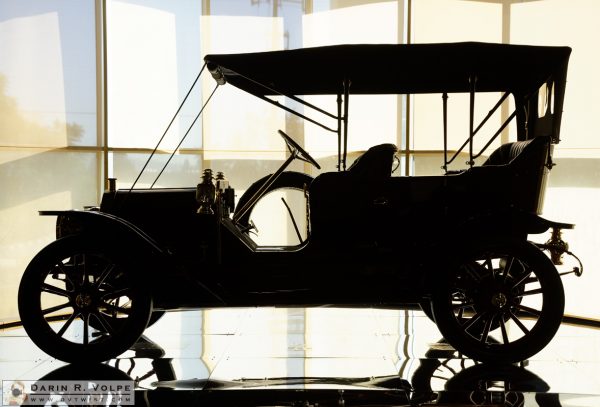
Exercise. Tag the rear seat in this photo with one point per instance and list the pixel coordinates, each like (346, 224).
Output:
(507, 153)
(517, 172)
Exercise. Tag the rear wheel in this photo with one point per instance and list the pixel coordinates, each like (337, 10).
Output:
(75, 286)
(115, 320)
(503, 303)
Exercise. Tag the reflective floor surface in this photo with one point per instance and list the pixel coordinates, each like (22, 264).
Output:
(320, 357)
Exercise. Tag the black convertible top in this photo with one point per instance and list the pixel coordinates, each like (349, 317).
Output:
(393, 68)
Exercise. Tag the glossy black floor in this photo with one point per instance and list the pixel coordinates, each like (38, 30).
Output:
(321, 357)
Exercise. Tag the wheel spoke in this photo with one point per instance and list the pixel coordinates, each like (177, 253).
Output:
(518, 322)
(531, 292)
(523, 279)
(531, 280)
(105, 273)
(472, 273)
(469, 323)
(447, 366)
(85, 270)
(503, 330)
(507, 268)
(458, 296)
(47, 288)
(457, 307)
(105, 323)
(86, 328)
(56, 308)
(486, 330)
(116, 309)
(64, 328)
(62, 269)
(121, 292)
(489, 266)
(77, 270)
(529, 310)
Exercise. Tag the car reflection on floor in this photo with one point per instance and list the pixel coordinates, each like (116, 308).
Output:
(309, 357)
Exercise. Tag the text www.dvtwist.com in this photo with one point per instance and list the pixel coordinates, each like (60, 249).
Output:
(53, 398)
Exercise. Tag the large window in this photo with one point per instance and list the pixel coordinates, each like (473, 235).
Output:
(87, 88)
(574, 189)
(48, 139)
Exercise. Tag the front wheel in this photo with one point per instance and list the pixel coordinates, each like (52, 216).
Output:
(74, 286)
(502, 303)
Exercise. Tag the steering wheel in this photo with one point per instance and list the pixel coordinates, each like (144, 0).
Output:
(298, 151)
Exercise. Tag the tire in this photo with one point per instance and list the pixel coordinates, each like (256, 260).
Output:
(72, 281)
(287, 180)
(154, 318)
(92, 373)
(430, 367)
(426, 308)
(511, 286)
(478, 377)
(485, 384)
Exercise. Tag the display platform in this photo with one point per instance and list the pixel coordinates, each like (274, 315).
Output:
(320, 357)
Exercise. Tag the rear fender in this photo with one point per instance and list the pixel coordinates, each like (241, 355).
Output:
(510, 223)
(480, 231)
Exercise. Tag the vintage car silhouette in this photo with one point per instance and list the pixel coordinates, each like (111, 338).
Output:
(455, 244)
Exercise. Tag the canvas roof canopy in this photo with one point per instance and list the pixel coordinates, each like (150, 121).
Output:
(393, 68)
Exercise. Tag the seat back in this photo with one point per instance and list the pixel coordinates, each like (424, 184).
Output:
(508, 152)
(375, 163)
(521, 172)
(341, 202)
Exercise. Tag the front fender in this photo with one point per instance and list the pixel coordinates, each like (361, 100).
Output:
(134, 244)
(106, 227)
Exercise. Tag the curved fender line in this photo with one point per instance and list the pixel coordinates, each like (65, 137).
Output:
(528, 222)
(110, 221)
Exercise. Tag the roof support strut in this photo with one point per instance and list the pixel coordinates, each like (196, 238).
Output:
(490, 113)
(346, 103)
(472, 82)
(339, 130)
